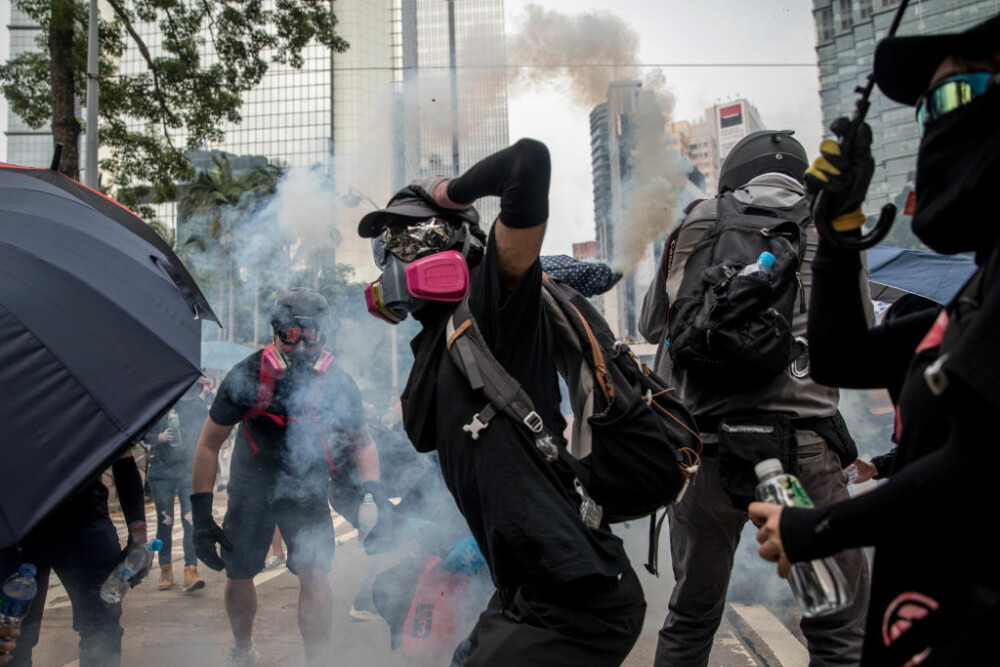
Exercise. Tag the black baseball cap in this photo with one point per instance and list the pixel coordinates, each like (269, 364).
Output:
(405, 207)
(904, 65)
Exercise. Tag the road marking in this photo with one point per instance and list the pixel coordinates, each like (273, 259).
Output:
(783, 644)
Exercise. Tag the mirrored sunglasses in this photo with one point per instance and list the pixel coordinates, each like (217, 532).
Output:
(951, 94)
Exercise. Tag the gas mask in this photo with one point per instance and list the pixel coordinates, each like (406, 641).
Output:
(420, 263)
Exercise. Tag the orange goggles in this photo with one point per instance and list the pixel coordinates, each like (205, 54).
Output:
(292, 335)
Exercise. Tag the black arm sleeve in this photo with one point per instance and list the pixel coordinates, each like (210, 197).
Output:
(843, 351)
(946, 490)
(519, 175)
(128, 482)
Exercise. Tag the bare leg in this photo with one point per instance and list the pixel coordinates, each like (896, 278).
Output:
(315, 603)
(241, 605)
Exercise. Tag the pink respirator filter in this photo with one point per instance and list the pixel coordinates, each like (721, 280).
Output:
(440, 277)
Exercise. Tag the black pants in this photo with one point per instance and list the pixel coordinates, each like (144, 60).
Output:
(82, 556)
(582, 625)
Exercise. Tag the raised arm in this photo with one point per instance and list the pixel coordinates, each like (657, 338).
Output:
(520, 176)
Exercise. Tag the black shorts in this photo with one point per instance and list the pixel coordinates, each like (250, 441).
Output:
(254, 510)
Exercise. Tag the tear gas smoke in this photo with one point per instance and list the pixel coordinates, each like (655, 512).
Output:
(560, 46)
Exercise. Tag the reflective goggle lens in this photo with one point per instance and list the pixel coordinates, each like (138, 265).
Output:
(951, 94)
(292, 336)
(410, 242)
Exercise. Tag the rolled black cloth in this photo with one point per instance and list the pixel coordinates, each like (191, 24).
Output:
(128, 482)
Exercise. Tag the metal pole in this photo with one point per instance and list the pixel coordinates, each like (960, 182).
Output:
(93, 47)
(454, 87)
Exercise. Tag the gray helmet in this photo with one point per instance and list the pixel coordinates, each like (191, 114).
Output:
(300, 306)
(761, 153)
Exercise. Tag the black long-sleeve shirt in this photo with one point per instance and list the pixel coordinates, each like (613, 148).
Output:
(926, 521)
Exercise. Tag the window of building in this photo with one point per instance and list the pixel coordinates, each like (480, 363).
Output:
(845, 15)
(824, 24)
(865, 8)
(889, 3)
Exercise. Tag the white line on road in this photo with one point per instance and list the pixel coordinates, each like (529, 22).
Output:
(786, 648)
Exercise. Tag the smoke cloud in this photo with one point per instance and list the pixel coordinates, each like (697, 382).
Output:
(593, 50)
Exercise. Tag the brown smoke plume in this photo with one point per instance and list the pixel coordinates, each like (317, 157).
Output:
(553, 46)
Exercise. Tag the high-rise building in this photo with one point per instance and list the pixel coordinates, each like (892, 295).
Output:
(614, 134)
(846, 34)
(381, 113)
(708, 141)
(24, 145)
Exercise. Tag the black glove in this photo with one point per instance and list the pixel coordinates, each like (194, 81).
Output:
(207, 533)
(842, 177)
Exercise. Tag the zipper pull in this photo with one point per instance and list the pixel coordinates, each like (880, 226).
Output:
(802, 292)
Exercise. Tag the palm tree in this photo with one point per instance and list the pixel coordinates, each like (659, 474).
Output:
(227, 196)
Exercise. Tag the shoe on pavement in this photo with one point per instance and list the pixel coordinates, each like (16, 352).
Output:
(273, 561)
(192, 582)
(362, 614)
(241, 658)
(166, 577)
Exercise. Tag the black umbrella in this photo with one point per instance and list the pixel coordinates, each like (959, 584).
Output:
(100, 329)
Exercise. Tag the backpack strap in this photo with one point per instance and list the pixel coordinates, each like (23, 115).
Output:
(475, 360)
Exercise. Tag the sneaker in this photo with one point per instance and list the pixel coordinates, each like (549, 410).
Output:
(273, 561)
(362, 615)
(241, 658)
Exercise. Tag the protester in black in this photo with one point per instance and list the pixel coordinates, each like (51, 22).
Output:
(293, 402)
(565, 592)
(936, 589)
(79, 542)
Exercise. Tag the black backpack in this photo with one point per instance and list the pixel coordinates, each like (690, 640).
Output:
(633, 437)
(736, 329)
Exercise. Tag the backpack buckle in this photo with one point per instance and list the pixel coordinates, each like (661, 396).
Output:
(532, 421)
(548, 448)
(475, 426)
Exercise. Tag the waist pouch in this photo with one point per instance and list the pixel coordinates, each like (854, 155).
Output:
(834, 431)
(747, 439)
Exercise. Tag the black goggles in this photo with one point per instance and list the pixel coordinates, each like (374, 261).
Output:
(951, 94)
(413, 241)
(291, 335)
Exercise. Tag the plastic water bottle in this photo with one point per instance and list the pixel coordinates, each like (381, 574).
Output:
(174, 422)
(763, 265)
(116, 585)
(18, 591)
(819, 585)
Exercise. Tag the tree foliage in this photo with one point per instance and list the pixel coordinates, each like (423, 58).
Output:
(198, 58)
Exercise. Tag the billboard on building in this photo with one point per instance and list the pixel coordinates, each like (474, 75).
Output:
(731, 121)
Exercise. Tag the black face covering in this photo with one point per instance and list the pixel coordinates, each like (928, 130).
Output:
(958, 172)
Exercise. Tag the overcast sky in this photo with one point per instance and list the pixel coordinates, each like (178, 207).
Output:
(675, 31)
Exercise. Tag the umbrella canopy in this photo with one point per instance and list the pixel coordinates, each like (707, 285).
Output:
(98, 340)
(223, 355)
(927, 274)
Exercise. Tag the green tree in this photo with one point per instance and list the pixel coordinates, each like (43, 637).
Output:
(208, 54)
(227, 198)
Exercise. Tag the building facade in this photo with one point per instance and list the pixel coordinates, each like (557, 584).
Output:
(846, 34)
(614, 134)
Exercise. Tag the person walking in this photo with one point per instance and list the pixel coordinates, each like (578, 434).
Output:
(172, 442)
(291, 401)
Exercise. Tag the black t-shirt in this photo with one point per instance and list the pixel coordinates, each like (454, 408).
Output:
(294, 450)
(174, 460)
(522, 510)
(927, 522)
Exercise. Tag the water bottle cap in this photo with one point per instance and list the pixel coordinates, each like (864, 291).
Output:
(768, 467)
(155, 545)
(27, 570)
(766, 260)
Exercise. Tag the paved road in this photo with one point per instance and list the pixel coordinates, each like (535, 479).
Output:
(169, 628)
